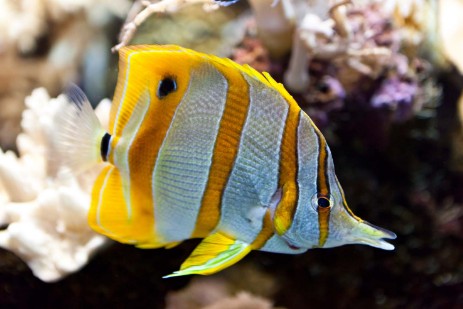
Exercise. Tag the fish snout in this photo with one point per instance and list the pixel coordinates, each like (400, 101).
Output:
(372, 235)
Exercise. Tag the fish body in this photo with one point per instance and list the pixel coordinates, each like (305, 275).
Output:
(201, 147)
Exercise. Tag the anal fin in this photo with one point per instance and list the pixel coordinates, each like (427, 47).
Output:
(214, 253)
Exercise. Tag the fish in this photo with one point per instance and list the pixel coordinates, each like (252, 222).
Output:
(199, 146)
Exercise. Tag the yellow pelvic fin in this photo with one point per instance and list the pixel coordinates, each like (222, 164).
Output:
(213, 254)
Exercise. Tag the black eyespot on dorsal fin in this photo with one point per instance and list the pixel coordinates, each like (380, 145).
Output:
(104, 148)
(166, 85)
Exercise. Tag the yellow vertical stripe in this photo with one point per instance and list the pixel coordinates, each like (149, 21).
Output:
(266, 232)
(142, 159)
(323, 188)
(108, 210)
(285, 210)
(225, 150)
(323, 224)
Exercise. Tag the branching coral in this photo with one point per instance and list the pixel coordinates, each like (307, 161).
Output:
(43, 44)
(367, 49)
(43, 205)
(341, 38)
(275, 22)
(23, 22)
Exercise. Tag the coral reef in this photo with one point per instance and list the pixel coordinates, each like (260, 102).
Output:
(352, 56)
(43, 206)
(48, 43)
(226, 290)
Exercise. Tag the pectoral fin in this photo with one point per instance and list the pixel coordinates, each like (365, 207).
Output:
(213, 254)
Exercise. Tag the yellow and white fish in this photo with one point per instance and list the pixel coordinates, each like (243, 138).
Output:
(201, 147)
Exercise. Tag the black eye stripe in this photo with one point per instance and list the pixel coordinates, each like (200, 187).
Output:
(166, 86)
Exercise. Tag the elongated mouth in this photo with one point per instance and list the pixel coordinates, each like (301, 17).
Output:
(372, 235)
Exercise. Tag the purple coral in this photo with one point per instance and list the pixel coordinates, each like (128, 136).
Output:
(397, 95)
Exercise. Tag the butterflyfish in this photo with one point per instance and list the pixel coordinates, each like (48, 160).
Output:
(201, 147)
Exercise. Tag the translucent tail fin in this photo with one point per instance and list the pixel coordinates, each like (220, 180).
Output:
(80, 133)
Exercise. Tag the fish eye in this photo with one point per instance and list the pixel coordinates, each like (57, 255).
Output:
(166, 86)
(323, 202)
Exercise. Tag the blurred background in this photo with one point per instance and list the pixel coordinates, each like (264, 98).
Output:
(381, 79)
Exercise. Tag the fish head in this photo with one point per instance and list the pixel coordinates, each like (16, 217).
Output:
(324, 220)
(338, 225)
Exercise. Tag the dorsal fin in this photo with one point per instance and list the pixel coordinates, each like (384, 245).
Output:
(263, 77)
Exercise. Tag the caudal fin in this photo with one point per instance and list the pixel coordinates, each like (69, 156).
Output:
(78, 140)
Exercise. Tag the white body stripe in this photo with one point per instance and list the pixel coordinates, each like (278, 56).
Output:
(100, 200)
(305, 217)
(254, 177)
(182, 168)
(121, 153)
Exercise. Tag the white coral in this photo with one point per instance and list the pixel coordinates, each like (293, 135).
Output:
(22, 22)
(44, 205)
